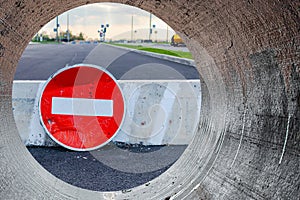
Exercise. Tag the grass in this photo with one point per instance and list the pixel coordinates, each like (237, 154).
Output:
(47, 42)
(128, 46)
(180, 54)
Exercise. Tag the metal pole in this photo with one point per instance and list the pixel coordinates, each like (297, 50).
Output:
(150, 31)
(167, 33)
(132, 28)
(57, 29)
(68, 31)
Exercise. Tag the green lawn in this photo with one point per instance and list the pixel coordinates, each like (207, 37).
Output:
(47, 42)
(180, 54)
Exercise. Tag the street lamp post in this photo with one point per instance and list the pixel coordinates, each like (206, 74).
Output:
(68, 31)
(150, 31)
(135, 35)
(132, 28)
(56, 29)
(37, 37)
(153, 27)
(167, 34)
(102, 32)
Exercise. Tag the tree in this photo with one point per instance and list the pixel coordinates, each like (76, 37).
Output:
(64, 35)
(46, 37)
(80, 37)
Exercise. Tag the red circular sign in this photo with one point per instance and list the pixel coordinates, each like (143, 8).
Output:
(81, 107)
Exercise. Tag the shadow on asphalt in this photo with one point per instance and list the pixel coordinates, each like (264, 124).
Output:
(97, 170)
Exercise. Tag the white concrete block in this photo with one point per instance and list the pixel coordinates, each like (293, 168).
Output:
(158, 112)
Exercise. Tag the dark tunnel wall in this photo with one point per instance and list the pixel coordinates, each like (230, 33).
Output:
(248, 141)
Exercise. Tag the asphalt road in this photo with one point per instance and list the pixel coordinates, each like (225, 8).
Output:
(40, 61)
(110, 168)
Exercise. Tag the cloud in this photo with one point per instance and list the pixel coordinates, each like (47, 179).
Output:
(88, 19)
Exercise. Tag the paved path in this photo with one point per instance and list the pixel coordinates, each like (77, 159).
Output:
(40, 61)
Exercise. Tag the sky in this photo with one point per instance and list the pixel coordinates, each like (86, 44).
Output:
(88, 19)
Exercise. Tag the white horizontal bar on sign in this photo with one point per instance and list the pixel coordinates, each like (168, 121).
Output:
(82, 106)
(125, 81)
(160, 81)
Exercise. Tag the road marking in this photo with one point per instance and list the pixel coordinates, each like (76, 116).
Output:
(82, 106)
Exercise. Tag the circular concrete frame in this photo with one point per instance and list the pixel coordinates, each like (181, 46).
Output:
(248, 141)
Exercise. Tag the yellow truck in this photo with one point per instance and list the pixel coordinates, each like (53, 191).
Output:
(177, 41)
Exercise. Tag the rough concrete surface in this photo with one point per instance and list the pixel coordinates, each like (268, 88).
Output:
(248, 142)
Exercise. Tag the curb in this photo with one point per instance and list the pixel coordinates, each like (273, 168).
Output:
(183, 61)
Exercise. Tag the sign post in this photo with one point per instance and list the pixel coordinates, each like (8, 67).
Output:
(82, 107)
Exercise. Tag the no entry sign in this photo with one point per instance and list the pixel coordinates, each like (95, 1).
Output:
(81, 107)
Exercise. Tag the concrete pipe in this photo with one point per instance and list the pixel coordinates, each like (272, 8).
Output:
(247, 145)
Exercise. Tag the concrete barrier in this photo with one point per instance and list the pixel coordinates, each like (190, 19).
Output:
(158, 112)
